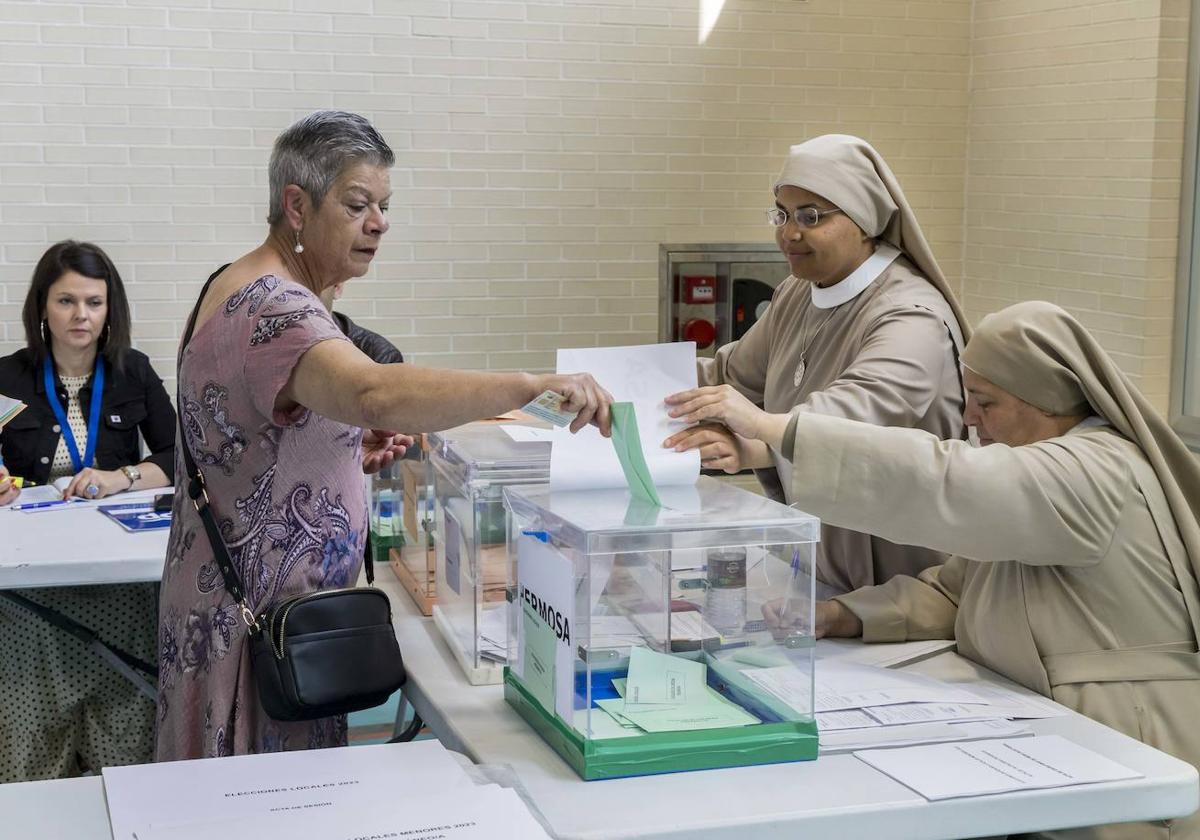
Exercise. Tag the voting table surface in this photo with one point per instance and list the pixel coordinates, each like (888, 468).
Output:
(837, 795)
(76, 545)
(834, 796)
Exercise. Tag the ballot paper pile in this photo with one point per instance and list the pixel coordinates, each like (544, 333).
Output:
(664, 693)
(417, 791)
(858, 706)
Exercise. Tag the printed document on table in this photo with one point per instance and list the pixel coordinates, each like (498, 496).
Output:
(838, 685)
(907, 734)
(645, 376)
(244, 786)
(884, 655)
(845, 685)
(948, 771)
(486, 812)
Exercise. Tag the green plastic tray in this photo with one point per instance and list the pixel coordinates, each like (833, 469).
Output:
(663, 752)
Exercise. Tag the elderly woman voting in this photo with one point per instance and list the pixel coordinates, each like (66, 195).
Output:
(93, 401)
(283, 414)
(1075, 529)
(865, 328)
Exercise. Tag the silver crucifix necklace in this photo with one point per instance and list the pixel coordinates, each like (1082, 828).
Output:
(798, 377)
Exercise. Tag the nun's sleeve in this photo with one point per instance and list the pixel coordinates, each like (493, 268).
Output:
(908, 609)
(1057, 502)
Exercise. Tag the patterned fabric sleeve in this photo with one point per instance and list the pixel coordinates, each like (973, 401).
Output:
(287, 320)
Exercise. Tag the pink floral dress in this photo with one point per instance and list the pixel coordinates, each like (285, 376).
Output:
(287, 491)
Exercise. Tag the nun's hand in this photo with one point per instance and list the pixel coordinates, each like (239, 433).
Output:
(718, 404)
(720, 449)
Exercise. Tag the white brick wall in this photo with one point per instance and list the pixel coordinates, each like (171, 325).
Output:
(1074, 168)
(544, 148)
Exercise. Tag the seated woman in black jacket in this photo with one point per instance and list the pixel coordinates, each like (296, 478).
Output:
(90, 397)
(77, 334)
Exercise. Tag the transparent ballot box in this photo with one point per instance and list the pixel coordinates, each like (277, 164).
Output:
(470, 466)
(650, 640)
(385, 529)
(415, 562)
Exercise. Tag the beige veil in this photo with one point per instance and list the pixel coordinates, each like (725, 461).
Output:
(849, 172)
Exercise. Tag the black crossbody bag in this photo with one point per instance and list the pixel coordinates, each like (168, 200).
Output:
(314, 655)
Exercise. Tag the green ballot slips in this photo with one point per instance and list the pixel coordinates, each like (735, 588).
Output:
(539, 655)
(685, 700)
(628, 443)
(603, 726)
(659, 678)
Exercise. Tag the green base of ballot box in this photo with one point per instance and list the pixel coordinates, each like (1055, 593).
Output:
(651, 753)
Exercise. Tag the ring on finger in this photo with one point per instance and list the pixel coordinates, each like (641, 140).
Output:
(91, 490)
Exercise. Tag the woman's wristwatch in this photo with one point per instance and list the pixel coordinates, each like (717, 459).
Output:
(133, 474)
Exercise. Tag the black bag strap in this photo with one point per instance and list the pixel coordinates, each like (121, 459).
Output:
(81, 632)
(198, 492)
(196, 489)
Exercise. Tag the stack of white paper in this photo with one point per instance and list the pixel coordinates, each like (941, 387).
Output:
(488, 812)
(862, 705)
(997, 766)
(411, 790)
(884, 655)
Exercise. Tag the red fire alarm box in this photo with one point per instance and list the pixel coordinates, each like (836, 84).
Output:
(699, 290)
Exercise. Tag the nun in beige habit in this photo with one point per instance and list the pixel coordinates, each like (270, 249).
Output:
(865, 328)
(1074, 528)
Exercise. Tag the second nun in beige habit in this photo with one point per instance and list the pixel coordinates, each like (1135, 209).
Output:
(877, 341)
(1076, 556)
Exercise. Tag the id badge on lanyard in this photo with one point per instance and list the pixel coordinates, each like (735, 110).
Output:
(61, 416)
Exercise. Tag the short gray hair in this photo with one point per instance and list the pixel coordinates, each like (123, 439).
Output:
(314, 150)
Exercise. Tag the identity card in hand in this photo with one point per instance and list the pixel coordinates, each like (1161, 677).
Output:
(548, 406)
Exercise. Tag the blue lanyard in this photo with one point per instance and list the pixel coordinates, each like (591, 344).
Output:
(61, 416)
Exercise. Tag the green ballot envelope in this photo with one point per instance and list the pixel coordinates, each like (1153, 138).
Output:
(598, 595)
(628, 443)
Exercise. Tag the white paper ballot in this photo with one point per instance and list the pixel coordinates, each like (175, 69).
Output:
(239, 787)
(487, 812)
(643, 375)
(947, 771)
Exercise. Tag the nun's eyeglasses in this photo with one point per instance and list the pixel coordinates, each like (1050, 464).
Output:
(805, 217)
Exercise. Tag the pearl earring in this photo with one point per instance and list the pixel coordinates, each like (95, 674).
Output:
(299, 249)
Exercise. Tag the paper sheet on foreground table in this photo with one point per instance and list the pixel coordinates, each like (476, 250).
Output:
(244, 786)
(487, 812)
(948, 771)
